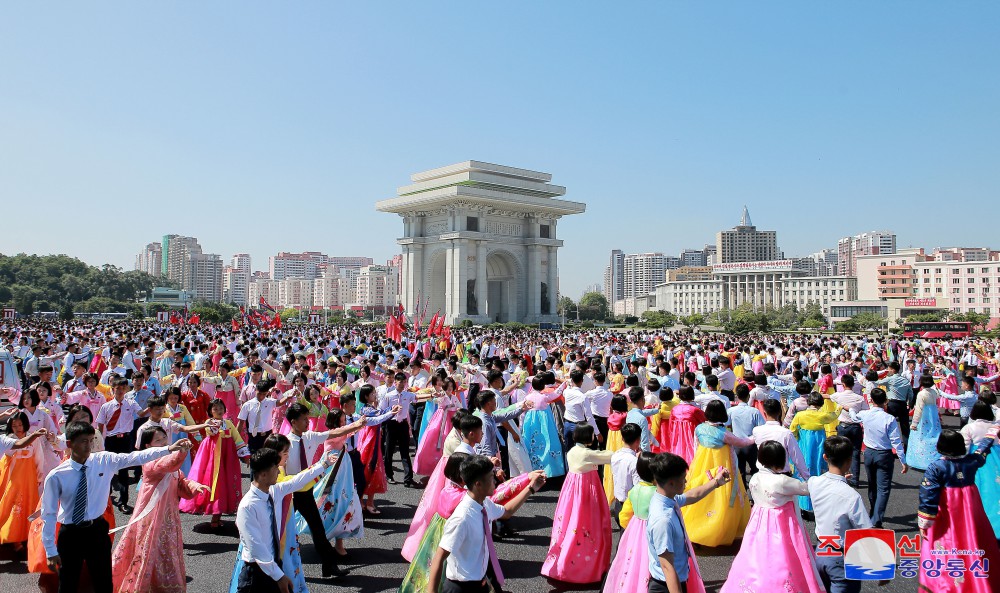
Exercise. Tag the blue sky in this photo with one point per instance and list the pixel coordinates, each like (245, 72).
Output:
(261, 127)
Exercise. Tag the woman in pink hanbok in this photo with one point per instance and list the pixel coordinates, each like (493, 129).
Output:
(776, 554)
(684, 418)
(217, 465)
(580, 546)
(149, 556)
(432, 437)
(947, 381)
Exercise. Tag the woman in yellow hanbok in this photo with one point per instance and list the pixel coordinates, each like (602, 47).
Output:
(619, 411)
(720, 517)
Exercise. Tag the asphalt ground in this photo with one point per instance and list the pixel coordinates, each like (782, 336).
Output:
(374, 564)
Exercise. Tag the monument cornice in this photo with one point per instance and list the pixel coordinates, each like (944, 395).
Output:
(485, 200)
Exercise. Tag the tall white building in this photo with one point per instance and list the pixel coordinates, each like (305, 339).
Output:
(264, 287)
(150, 259)
(198, 273)
(614, 282)
(236, 280)
(643, 271)
(296, 293)
(377, 286)
(296, 265)
(870, 243)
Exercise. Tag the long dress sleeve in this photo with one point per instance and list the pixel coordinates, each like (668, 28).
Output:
(929, 495)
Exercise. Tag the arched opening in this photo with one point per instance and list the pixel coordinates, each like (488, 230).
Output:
(437, 285)
(501, 294)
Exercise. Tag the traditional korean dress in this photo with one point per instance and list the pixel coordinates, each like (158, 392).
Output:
(720, 517)
(951, 510)
(629, 572)
(580, 546)
(217, 465)
(336, 497)
(776, 553)
(810, 428)
(684, 418)
(921, 448)
(180, 415)
(432, 436)
(614, 442)
(540, 435)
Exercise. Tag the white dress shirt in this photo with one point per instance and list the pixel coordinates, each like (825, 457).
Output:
(774, 431)
(600, 401)
(391, 397)
(464, 447)
(838, 507)
(126, 419)
(465, 538)
(168, 425)
(311, 440)
(255, 523)
(623, 469)
(59, 492)
(578, 407)
(702, 400)
(256, 413)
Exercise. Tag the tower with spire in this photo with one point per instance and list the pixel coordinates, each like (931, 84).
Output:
(744, 243)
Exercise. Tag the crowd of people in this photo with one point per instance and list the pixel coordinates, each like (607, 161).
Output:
(677, 439)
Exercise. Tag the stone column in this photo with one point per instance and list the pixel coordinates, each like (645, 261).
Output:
(534, 281)
(553, 281)
(449, 283)
(482, 285)
(460, 275)
(416, 276)
(404, 275)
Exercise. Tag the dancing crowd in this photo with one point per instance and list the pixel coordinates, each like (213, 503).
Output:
(682, 441)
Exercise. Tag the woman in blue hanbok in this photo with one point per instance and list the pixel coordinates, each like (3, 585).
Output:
(539, 433)
(925, 427)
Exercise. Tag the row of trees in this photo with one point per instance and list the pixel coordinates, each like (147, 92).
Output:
(979, 321)
(31, 283)
(591, 307)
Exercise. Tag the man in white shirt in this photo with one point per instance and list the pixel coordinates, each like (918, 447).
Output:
(304, 444)
(75, 495)
(623, 464)
(600, 406)
(257, 522)
(712, 382)
(115, 421)
(578, 407)
(397, 429)
(255, 416)
(467, 541)
(772, 430)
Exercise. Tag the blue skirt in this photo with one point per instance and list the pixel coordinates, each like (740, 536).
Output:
(291, 561)
(541, 439)
(988, 482)
(811, 443)
(921, 449)
(338, 504)
(429, 408)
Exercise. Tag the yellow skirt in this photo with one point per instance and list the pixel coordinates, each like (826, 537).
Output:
(614, 443)
(719, 518)
(830, 406)
(19, 496)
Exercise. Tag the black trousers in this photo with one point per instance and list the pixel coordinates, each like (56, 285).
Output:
(306, 505)
(120, 444)
(853, 433)
(657, 586)
(256, 443)
(450, 586)
(254, 580)
(89, 544)
(898, 409)
(398, 437)
(359, 472)
(746, 461)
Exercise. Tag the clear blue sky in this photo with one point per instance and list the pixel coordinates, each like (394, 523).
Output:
(271, 126)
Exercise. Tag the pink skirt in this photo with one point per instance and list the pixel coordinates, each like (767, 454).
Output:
(370, 449)
(425, 510)
(681, 440)
(629, 572)
(232, 408)
(228, 484)
(775, 554)
(961, 524)
(432, 445)
(580, 547)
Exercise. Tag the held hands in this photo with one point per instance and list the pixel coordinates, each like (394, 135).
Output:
(181, 445)
(330, 459)
(904, 468)
(201, 489)
(285, 584)
(722, 476)
(55, 563)
(537, 479)
(395, 409)
(527, 404)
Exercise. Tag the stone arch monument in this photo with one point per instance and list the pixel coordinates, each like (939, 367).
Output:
(479, 242)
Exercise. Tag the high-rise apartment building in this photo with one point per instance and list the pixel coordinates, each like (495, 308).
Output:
(296, 265)
(744, 243)
(643, 271)
(693, 258)
(377, 286)
(150, 259)
(199, 273)
(870, 243)
(614, 282)
(236, 280)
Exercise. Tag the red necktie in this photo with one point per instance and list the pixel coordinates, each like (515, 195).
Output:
(494, 560)
(114, 419)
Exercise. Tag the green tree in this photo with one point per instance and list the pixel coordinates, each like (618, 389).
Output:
(289, 314)
(930, 316)
(209, 312)
(979, 321)
(566, 306)
(658, 319)
(744, 320)
(692, 321)
(593, 305)
(66, 313)
(867, 321)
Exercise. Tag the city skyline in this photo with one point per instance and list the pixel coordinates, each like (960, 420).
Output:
(115, 130)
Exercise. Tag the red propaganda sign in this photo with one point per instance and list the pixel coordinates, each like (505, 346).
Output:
(919, 302)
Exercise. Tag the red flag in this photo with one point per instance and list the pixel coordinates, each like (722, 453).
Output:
(236, 325)
(432, 326)
(446, 333)
(194, 319)
(277, 321)
(401, 318)
(174, 319)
